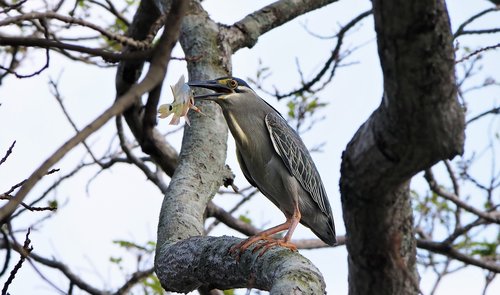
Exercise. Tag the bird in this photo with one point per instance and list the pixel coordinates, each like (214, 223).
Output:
(273, 158)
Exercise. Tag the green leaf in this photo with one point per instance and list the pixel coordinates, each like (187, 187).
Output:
(128, 245)
(245, 219)
(291, 109)
(116, 260)
(153, 283)
(53, 204)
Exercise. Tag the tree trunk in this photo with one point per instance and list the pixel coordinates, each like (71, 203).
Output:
(418, 123)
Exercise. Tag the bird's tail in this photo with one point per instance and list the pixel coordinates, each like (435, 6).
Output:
(324, 228)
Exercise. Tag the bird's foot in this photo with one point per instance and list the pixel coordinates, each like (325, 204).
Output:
(263, 247)
(265, 244)
(242, 246)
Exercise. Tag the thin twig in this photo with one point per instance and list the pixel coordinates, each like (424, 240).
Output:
(59, 99)
(489, 216)
(449, 251)
(71, 20)
(483, 49)
(6, 247)
(7, 154)
(25, 251)
(107, 55)
(461, 28)
(494, 111)
(333, 59)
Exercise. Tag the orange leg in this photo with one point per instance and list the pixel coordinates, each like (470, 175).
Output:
(290, 224)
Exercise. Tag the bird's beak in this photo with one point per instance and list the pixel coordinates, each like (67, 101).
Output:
(219, 89)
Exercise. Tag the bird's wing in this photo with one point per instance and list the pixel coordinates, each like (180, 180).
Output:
(297, 159)
(244, 168)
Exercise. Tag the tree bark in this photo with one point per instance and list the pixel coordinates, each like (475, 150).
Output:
(418, 123)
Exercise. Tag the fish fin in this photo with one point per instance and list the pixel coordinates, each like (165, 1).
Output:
(175, 120)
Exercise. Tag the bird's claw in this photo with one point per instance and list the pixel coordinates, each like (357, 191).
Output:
(265, 244)
(263, 247)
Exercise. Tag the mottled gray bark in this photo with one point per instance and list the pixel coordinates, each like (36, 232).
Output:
(418, 123)
(204, 261)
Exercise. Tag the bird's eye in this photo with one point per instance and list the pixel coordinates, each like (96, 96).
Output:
(232, 84)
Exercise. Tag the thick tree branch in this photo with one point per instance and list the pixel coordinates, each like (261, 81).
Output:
(247, 31)
(190, 264)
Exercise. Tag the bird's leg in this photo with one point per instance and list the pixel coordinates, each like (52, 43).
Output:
(292, 221)
(290, 224)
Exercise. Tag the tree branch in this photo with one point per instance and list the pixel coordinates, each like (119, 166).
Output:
(71, 20)
(449, 251)
(8, 152)
(108, 56)
(190, 264)
(489, 216)
(461, 28)
(246, 32)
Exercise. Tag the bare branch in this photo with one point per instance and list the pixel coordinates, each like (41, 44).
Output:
(334, 59)
(483, 49)
(47, 43)
(74, 278)
(461, 28)
(245, 32)
(133, 280)
(28, 207)
(112, 9)
(10, 7)
(489, 216)
(71, 20)
(135, 160)
(25, 252)
(449, 251)
(229, 220)
(5, 246)
(47, 57)
(493, 111)
(58, 97)
(7, 154)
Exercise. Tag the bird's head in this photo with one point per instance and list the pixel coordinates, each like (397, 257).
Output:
(226, 89)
